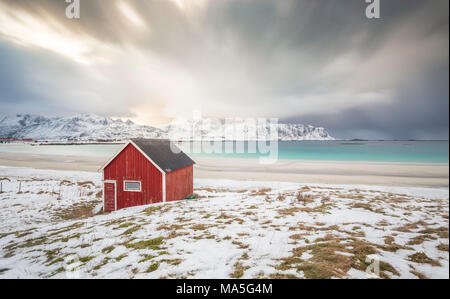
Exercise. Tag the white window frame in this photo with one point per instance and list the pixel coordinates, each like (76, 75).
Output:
(129, 181)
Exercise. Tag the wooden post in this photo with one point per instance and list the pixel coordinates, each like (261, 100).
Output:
(20, 186)
(1, 186)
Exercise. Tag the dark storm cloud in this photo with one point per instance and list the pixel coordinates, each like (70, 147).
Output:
(318, 62)
(420, 113)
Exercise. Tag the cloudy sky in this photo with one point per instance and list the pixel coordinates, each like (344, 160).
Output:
(318, 62)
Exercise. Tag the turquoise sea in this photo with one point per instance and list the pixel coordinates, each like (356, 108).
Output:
(374, 151)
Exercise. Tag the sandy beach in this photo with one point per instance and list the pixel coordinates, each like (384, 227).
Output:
(322, 172)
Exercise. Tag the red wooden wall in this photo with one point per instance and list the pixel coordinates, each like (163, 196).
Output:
(130, 164)
(179, 183)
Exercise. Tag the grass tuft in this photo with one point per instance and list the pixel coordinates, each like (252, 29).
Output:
(422, 258)
(146, 244)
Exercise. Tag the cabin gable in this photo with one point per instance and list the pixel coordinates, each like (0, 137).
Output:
(132, 166)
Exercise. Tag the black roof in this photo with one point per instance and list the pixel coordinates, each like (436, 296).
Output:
(159, 150)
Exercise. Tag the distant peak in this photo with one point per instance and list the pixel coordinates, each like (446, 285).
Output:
(90, 126)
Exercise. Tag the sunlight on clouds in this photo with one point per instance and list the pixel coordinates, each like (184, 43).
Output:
(158, 89)
(145, 115)
(27, 30)
(189, 6)
(162, 83)
(130, 14)
(144, 84)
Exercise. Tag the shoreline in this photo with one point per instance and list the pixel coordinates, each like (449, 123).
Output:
(212, 157)
(298, 171)
(330, 161)
(335, 172)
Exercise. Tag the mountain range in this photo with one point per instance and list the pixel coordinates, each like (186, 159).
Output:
(93, 127)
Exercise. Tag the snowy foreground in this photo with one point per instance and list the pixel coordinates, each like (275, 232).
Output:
(54, 228)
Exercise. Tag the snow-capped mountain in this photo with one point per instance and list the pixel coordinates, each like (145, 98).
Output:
(217, 129)
(81, 127)
(93, 127)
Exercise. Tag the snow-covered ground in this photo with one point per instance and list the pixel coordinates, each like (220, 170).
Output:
(52, 228)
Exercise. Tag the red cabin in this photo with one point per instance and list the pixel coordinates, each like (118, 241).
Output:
(146, 171)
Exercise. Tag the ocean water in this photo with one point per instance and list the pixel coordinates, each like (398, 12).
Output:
(374, 151)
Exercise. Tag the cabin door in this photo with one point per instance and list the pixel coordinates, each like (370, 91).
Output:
(109, 196)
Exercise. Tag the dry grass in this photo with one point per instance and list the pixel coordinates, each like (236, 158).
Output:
(108, 249)
(422, 258)
(200, 226)
(80, 210)
(170, 227)
(224, 216)
(288, 211)
(239, 270)
(409, 227)
(146, 244)
(174, 234)
(240, 244)
(153, 267)
(282, 276)
(260, 192)
(382, 223)
(173, 262)
(296, 236)
(420, 239)
(327, 262)
(325, 198)
(365, 206)
(86, 183)
(66, 182)
(241, 191)
(132, 230)
(419, 274)
(441, 232)
(326, 238)
(442, 247)
(243, 234)
(150, 210)
(281, 197)
(304, 198)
